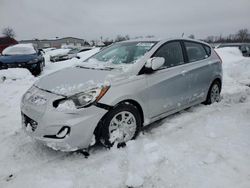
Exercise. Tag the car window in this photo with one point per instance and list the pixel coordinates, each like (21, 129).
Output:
(208, 49)
(195, 51)
(172, 53)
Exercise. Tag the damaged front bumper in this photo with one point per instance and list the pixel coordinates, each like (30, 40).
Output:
(65, 131)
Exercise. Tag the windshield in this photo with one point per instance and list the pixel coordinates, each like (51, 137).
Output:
(18, 50)
(122, 53)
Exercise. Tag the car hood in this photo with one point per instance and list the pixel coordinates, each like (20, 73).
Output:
(17, 58)
(72, 80)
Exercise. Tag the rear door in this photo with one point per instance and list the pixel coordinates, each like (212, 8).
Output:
(167, 86)
(199, 69)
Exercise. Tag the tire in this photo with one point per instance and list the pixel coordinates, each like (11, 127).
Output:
(113, 130)
(43, 62)
(213, 93)
(37, 71)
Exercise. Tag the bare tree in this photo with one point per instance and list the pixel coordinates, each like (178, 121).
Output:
(210, 39)
(242, 34)
(8, 32)
(149, 36)
(92, 43)
(127, 37)
(231, 38)
(138, 37)
(107, 41)
(121, 38)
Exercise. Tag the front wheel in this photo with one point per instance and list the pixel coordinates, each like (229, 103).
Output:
(43, 62)
(39, 68)
(120, 125)
(213, 93)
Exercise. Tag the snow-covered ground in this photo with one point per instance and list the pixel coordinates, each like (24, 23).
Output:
(204, 146)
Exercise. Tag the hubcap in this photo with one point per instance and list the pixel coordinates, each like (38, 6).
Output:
(122, 127)
(215, 93)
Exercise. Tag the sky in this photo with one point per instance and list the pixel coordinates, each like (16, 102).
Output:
(92, 19)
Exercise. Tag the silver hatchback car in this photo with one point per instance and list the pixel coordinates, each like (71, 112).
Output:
(114, 93)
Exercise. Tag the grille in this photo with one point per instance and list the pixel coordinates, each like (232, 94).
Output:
(16, 65)
(12, 65)
(3, 66)
(28, 122)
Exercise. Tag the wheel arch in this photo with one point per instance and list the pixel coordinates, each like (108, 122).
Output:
(217, 79)
(137, 105)
(97, 130)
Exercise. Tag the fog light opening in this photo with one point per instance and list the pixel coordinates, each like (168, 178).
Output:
(63, 132)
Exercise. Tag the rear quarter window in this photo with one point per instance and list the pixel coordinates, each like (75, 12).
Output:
(208, 49)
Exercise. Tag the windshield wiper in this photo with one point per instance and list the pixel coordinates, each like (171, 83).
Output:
(95, 68)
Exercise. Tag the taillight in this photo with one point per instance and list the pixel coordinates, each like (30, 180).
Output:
(218, 56)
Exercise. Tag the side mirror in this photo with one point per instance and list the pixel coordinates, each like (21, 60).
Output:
(155, 63)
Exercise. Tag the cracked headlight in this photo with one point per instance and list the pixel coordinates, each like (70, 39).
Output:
(37, 100)
(34, 97)
(81, 100)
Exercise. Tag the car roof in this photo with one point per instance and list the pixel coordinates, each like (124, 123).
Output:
(163, 40)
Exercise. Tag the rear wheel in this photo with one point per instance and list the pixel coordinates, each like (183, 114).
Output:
(213, 93)
(120, 125)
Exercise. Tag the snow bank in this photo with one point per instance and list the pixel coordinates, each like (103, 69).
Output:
(15, 74)
(236, 70)
(139, 170)
(230, 54)
(235, 65)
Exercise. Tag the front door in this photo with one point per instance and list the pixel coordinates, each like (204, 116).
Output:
(167, 87)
